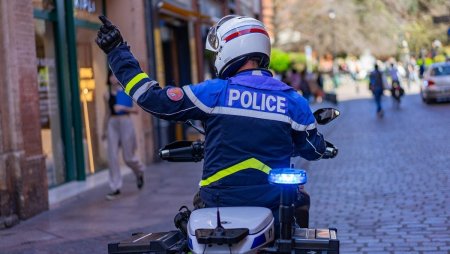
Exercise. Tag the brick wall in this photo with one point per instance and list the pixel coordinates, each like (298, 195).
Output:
(23, 181)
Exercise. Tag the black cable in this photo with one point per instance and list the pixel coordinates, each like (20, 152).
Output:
(204, 249)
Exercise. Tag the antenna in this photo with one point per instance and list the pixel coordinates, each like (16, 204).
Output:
(219, 230)
(188, 122)
(219, 223)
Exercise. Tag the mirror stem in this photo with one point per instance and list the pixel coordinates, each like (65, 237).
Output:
(188, 122)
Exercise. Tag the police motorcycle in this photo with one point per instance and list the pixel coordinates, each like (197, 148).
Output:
(237, 229)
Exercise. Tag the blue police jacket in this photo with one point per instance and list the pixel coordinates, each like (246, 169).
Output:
(253, 123)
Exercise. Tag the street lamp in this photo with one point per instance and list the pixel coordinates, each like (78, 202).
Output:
(332, 16)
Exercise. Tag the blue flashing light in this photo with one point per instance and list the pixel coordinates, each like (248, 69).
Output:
(190, 245)
(287, 176)
(258, 241)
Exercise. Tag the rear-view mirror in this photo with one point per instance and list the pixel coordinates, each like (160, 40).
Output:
(326, 115)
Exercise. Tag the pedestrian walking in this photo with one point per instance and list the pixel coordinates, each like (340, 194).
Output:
(294, 79)
(376, 85)
(319, 81)
(421, 67)
(304, 85)
(394, 74)
(120, 134)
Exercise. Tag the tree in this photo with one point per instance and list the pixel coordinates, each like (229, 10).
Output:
(279, 60)
(380, 26)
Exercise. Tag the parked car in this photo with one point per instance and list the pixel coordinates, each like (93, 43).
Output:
(436, 83)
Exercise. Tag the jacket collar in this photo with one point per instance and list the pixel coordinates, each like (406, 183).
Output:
(255, 72)
(259, 79)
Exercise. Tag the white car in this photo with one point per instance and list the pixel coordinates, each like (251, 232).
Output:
(436, 83)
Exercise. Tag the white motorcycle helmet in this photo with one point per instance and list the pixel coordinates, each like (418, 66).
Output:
(236, 39)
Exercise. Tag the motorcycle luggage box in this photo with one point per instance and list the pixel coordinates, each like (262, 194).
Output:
(155, 243)
(318, 241)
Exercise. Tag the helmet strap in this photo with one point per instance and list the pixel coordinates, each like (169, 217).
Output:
(234, 65)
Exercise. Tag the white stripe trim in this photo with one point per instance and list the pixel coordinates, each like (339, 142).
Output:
(196, 101)
(168, 114)
(246, 112)
(142, 237)
(315, 150)
(257, 72)
(141, 90)
(300, 127)
(251, 113)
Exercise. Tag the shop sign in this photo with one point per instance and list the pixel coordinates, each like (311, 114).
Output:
(87, 84)
(85, 5)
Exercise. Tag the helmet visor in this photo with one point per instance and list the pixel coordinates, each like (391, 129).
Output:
(212, 39)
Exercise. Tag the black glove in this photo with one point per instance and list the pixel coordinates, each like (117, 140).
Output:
(330, 151)
(108, 37)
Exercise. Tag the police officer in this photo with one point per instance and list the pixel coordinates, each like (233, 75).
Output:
(253, 122)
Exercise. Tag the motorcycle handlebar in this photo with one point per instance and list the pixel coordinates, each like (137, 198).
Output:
(191, 153)
(169, 153)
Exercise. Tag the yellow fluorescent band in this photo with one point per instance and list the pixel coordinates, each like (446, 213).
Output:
(134, 81)
(250, 163)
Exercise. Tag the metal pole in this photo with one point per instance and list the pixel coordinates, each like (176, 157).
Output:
(286, 211)
(75, 90)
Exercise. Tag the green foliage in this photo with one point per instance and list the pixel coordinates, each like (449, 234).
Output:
(279, 60)
(298, 57)
(298, 60)
(381, 26)
(446, 50)
(420, 36)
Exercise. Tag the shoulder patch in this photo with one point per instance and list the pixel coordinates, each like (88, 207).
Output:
(175, 93)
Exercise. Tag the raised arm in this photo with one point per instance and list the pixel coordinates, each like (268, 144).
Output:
(168, 103)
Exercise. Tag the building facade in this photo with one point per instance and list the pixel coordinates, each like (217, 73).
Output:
(53, 79)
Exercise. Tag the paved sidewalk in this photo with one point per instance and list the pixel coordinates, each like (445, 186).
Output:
(88, 222)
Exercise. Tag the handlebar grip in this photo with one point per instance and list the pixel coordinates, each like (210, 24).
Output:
(190, 152)
(169, 153)
(330, 152)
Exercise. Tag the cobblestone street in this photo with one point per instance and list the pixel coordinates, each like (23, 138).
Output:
(386, 192)
(388, 189)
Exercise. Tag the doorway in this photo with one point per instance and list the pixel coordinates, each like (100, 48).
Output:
(177, 65)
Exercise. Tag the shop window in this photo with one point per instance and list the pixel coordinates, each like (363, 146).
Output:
(52, 144)
(92, 70)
